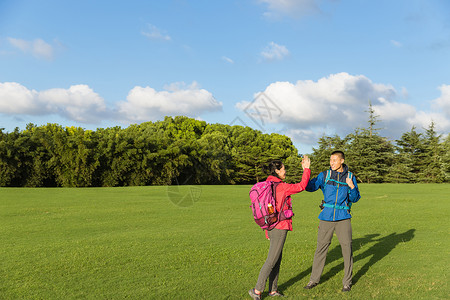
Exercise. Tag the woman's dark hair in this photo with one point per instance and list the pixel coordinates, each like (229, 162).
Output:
(272, 166)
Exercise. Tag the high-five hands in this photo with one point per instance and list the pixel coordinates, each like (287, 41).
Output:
(349, 181)
(306, 162)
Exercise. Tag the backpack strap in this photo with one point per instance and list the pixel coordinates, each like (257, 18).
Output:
(348, 202)
(274, 187)
(336, 206)
(328, 176)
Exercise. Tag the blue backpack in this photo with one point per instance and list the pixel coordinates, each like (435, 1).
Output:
(349, 204)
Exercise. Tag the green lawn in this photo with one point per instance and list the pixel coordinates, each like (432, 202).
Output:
(200, 242)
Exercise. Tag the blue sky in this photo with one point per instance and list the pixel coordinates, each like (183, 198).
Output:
(302, 68)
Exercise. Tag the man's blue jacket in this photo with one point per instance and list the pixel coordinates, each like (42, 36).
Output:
(337, 195)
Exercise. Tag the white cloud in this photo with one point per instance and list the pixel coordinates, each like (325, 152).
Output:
(338, 99)
(78, 103)
(227, 59)
(443, 102)
(146, 104)
(305, 136)
(274, 52)
(22, 45)
(42, 49)
(396, 117)
(293, 8)
(38, 47)
(338, 104)
(423, 120)
(405, 93)
(396, 43)
(391, 110)
(81, 104)
(155, 33)
(17, 99)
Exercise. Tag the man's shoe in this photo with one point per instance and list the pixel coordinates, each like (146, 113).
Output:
(310, 285)
(346, 288)
(254, 295)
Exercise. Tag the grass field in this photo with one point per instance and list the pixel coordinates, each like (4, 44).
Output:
(200, 242)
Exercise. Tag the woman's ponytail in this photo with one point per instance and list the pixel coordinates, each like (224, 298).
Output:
(271, 167)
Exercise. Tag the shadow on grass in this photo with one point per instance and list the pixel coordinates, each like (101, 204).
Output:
(382, 247)
(380, 250)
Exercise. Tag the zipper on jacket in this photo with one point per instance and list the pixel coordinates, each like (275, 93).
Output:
(335, 203)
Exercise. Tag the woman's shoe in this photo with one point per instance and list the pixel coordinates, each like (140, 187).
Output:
(254, 295)
(346, 288)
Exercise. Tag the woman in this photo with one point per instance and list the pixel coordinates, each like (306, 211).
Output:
(277, 236)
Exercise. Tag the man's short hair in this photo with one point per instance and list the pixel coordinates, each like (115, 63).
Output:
(340, 153)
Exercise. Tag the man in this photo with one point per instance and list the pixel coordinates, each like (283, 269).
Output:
(340, 190)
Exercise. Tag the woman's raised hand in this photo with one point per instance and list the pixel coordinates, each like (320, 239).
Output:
(306, 162)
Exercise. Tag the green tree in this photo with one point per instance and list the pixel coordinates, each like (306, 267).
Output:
(400, 170)
(248, 153)
(433, 171)
(281, 147)
(370, 155)
(214, 159)
(10, 159)
(76, 157)
(412, 154)
(43, 160)
(445, 162)
(320, 158)
(180, 150)
(294, 170)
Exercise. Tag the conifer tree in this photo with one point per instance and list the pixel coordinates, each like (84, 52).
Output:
(400, 170)
(433, 151)
(370, 155)
(411, 153)
(445, 161)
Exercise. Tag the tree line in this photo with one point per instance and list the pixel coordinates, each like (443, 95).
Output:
(182, 150)
(177, 150)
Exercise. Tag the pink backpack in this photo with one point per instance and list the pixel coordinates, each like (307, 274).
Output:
(261, 195)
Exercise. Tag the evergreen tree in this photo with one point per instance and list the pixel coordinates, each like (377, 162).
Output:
(445, 161)
(433, 171)
(369, 154)
(400, 170)
(373, 120)
(412, 154)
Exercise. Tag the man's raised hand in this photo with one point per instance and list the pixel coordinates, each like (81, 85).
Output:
(349, 181)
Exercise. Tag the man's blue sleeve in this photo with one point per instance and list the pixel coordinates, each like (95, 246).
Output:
(354, 195)
(315, 183)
